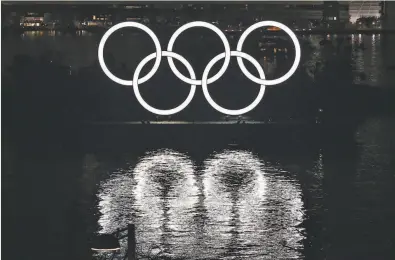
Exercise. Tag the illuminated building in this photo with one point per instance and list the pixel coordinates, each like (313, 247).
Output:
(301, 15)
(336, 14)
(359, 9)
(100, 20)
(32, 20)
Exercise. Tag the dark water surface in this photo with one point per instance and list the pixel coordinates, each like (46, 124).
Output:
(371, 54)
(322, 197)
(210, 192)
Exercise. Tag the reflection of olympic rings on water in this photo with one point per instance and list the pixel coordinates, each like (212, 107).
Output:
(192, 80)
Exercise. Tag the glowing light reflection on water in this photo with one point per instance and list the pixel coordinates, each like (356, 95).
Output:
(233, 205)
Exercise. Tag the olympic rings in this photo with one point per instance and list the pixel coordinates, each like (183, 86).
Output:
(224, 41)
(294, 65)
(204, 81)
(228, 111)
(145, 104)
(120, 26)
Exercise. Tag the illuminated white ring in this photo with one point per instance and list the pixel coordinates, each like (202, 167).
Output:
(224, 41)
(229, 111)
(294, 65)
(157, 47)
(145, 104)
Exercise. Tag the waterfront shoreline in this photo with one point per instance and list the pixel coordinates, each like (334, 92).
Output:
(170, 27)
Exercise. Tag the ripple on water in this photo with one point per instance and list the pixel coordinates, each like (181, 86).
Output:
(232, 206)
